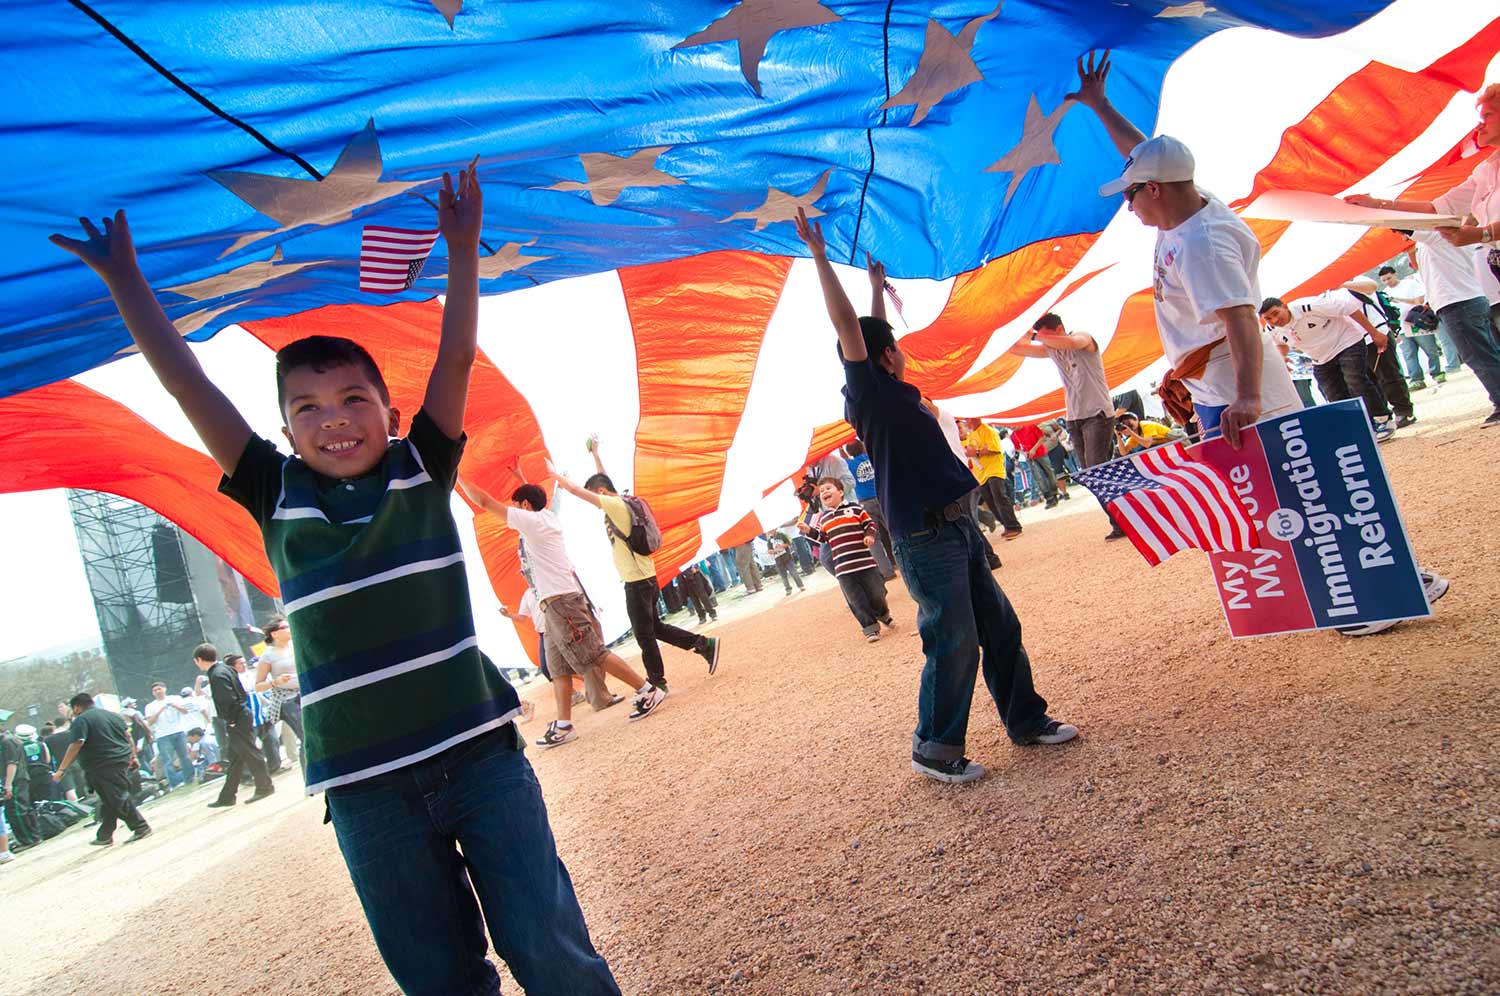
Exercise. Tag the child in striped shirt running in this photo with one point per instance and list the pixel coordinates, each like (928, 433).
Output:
(850, 533)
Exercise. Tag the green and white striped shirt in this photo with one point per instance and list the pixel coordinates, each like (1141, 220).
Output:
(372, 576)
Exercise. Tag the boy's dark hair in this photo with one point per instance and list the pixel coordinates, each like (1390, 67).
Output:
(600, 481)
(206, 652)
(196, 731)
(831, 480)
(878, 335)
(231, 658)
(1048, 321)
(323, 352)
(1271, 302)
(1387, 269)
(532, 495)
(855, 448)
(1002, 432)
(158, 684)
(82, 700)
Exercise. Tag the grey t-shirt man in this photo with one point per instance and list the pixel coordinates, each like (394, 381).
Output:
(1085, 391)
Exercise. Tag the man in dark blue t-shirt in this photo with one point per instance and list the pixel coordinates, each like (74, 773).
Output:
(923, 490)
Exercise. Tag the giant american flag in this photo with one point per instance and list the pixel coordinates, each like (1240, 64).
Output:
(1165, 501)
(641, 164)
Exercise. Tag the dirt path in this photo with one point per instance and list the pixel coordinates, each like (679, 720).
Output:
(1299, 814)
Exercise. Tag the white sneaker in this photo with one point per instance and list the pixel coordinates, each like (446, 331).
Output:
(556, 736)
(646, 703)
(6, 857)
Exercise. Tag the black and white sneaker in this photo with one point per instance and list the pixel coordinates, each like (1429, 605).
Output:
(556, 735)
(646, 703)
(1051, 732)
(888, 622)
(710, 653)
(951, 772)
(1492, 421)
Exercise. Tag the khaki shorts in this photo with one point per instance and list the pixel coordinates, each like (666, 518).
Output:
(575, 641)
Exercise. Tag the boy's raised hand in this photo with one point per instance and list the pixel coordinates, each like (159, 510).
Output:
(876, 269)
(461, 210)
(811, 233)
(110, 253)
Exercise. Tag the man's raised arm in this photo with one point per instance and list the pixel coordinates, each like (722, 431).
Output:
(1090, 94)
(840, 311)
(573, 489)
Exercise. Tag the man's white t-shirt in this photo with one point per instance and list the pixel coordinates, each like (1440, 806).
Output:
(165, 720)
(531, 609)
(1407, 293)
(1449, 271)
(551, 570)
(1207, 263)
(1321, 326)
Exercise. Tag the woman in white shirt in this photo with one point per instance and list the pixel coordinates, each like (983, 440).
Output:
(276, 675)
(1477, 198)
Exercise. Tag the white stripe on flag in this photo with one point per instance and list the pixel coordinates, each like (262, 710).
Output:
(391, 258)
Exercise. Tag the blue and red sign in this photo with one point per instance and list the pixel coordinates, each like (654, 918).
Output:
(1334, 550)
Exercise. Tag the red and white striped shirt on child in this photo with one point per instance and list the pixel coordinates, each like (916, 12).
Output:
(844, 530)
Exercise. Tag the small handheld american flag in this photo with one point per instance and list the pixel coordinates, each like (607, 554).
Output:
(890, 292)
(390, 259)
(1166, 502)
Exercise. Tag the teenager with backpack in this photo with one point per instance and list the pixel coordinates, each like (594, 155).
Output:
(633, 537)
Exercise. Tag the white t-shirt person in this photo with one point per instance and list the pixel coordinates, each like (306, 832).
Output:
(1449, 270)
(1210, 262)
(166, 716)
(1321, 326)
(551, 570)
(531, 609)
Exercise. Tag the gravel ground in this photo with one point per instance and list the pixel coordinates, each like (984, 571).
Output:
(1307, 814)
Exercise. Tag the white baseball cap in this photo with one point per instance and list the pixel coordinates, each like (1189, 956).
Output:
(1162, 159)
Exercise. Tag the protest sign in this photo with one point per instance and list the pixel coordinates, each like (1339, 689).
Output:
(1333, 549)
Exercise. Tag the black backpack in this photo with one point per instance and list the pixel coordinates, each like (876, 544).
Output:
(644, 537)
(1422, 318)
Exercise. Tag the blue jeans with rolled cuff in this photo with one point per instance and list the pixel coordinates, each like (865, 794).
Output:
(967, 626)
(432, 844)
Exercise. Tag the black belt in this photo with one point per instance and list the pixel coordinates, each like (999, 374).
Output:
(951, 512)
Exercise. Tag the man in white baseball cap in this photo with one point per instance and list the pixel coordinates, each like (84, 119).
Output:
(1204, 279)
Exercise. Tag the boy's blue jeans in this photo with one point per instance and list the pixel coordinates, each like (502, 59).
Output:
(961, 611)
(430, 845)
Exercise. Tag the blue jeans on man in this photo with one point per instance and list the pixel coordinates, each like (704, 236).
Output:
(967, 625)
(172, 747)
(1427, 343)
(1468, 325)
(431, 845)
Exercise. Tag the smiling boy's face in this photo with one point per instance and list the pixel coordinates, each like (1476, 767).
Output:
(336, 420)
(831, 495)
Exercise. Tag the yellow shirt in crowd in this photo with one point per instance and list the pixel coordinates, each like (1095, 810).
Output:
(985, 467)
(1151, 431)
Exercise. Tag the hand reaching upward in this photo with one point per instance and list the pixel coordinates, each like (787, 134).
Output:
(1091, 77)
(811, 233)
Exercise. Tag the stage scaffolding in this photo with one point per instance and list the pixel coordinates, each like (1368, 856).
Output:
(157, 592)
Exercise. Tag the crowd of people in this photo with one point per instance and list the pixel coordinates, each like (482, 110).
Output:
(388, 679)
(178, 740)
